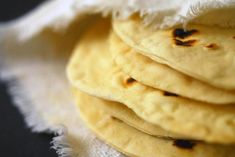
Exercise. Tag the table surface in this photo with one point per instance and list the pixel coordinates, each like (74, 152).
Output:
(16, 140)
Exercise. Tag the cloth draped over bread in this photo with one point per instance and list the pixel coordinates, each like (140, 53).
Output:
(34, 51)
(159, 13)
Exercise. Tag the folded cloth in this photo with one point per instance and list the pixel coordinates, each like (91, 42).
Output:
(34, 51)
(160, 13)
(35, 70)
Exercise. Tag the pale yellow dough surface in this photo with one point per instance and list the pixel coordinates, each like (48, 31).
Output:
(163, 77)
(136, 143)
(122, 112)
(92, 70)
(210, 57)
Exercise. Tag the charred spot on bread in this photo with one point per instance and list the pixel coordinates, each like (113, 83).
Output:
(212, 46)
(182, 33)
(129, 81)
(170, 94)
(184, 144)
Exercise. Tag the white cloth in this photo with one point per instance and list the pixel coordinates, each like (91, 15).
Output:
(36, 67)
(35, 70)
(161, 13)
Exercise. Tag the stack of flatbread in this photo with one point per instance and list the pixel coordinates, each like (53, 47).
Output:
(157, 93)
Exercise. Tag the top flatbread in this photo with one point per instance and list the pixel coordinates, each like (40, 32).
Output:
(205, 53)
(92, 70)
(163, 77)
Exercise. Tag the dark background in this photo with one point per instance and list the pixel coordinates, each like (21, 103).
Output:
(16, 140)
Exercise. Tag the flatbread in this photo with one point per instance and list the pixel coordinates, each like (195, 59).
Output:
(122, 112)
(136, 143)
(160, 76)
(205, 53)
(92, 70)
